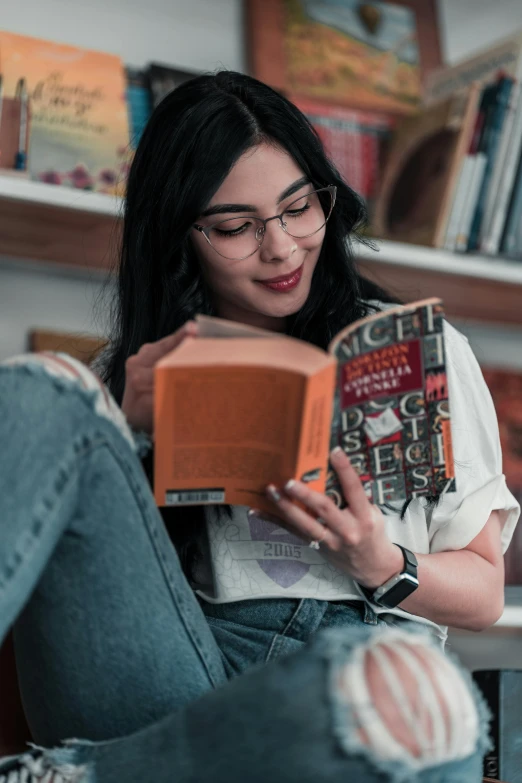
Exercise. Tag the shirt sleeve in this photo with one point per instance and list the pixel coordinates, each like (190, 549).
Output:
(481, 486)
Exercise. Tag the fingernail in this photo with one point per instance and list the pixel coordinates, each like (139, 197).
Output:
(335, 452)
(253, 512)
(273, 493)
(289, 485)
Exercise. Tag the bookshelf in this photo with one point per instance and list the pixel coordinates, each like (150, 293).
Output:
(48, 223)
(75, 228)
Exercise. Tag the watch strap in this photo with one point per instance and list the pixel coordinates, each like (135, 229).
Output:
(409, 572)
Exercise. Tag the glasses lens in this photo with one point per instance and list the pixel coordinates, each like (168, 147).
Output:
(236, 238)
(308, 214)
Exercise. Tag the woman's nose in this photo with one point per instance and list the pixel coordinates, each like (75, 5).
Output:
(277, 244)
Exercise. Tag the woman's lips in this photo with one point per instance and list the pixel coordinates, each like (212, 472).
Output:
(284, 282)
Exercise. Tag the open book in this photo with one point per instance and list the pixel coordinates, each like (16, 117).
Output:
(238, 408)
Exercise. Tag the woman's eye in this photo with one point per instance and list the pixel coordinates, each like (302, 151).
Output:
(297, 212)
(230, 232)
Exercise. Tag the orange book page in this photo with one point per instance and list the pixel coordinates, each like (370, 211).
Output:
(223, 431)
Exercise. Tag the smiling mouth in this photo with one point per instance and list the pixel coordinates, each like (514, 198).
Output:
(283, 282)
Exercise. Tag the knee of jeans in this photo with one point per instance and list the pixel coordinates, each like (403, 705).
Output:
(67, 372)
(45, 766)
(405, 705)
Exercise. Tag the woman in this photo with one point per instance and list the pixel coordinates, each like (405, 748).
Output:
(233, 210)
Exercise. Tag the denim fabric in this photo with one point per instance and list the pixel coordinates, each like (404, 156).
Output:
(110, 638)
(255, 632)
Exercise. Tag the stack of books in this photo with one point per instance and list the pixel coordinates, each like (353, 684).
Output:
(454, 175)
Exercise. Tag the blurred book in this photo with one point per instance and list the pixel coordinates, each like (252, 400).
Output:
(483, 68)
(506, 389)
(79, 129)
(416, 196)
(164, 78)
(139, 103)
(354, 140)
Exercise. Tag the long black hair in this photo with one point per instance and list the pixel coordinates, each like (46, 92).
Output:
(191, 142)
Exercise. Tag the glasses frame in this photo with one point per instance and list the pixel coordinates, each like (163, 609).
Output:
(261, 231)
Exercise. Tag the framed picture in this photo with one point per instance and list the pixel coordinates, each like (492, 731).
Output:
(369, 55)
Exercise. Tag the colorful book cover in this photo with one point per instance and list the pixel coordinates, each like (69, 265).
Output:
(392, 411)
(506, 389)
(354, 141)
(361, 54)
(79, 120)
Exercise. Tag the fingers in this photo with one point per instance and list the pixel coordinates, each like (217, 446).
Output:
(300, 521)
(150, 353)
(351, 484)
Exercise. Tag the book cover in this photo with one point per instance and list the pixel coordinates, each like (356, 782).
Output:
(392, 409)
(352, 53)
(79, 122)
(354, 140)
(423, 162)
(238, 408)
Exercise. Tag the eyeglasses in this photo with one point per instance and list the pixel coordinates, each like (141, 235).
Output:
(240, 237)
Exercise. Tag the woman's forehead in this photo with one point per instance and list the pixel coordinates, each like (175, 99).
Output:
(259, 176)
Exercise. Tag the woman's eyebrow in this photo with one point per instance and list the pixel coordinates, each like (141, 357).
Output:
(297, 185)
(221, 209)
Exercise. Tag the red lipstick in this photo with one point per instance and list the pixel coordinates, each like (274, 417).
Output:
(283, 283)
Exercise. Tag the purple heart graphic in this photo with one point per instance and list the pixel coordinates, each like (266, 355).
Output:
(284, 573)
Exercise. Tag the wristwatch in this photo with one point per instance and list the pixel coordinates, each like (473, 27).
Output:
(399, 587)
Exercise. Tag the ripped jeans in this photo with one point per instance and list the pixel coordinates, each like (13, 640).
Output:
(113, 646)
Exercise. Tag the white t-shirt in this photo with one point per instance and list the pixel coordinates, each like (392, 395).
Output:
(249, 557)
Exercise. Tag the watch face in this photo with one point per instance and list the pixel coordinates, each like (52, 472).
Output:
(403, 587)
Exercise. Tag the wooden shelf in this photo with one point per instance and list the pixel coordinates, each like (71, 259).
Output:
(472, 286)
(51, 223)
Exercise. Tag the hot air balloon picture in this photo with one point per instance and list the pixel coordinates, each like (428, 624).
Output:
(362, 54)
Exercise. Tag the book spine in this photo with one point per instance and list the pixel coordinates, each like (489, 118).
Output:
(489, 145)
(498, 172)
(459, 220)
(467, 124)
(459, 202)
(512, 239)
(507, 183)
(489, 683)
(479, 164)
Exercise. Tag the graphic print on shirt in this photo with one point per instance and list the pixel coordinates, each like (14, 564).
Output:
(251, 556)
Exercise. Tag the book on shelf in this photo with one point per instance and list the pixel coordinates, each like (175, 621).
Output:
(423, 163)
(489, 143)
(163, 79)
(458, 234)
(239, 408)
(79, 124)
(354, 140)
(473, 205)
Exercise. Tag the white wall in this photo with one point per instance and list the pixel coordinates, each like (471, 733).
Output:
(467, 26)
(200, 34)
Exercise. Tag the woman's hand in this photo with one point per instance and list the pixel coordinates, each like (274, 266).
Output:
(138, 397)
(354, 538)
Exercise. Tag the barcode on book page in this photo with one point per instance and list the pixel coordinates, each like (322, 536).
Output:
(178, 497)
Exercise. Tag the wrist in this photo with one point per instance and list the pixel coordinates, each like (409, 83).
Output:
(391, 563)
